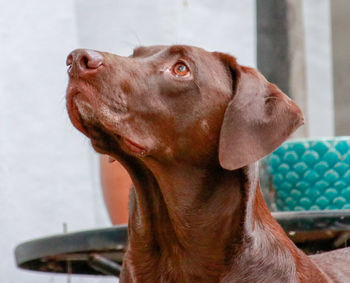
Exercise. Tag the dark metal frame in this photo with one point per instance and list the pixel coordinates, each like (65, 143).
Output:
(101, 251)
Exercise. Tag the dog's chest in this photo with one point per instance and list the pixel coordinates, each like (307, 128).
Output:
(164, 267)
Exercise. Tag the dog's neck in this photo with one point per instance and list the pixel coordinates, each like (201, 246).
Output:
(195, 223)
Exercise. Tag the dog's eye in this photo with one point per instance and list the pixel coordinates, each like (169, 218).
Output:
(180, 69)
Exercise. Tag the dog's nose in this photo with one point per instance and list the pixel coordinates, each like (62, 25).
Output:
(82, 62)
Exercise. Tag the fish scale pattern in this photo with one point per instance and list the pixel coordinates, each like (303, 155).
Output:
(311, 174)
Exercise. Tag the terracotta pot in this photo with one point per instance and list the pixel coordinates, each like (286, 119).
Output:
(116, 184)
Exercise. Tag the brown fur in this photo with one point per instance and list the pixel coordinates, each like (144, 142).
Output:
(191, 146)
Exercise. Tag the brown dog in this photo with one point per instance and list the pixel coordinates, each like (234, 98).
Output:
(189, 126)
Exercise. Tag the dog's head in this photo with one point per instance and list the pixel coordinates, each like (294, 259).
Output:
(177, 103)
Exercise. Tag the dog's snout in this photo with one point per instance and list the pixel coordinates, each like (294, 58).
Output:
(82, 62)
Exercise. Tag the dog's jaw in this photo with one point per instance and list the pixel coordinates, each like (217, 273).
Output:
(89, 114)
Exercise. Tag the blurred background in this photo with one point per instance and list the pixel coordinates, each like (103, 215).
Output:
(48, 171)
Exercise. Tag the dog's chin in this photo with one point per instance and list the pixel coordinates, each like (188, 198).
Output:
(80, 113)
(104, 138)
(84, 119)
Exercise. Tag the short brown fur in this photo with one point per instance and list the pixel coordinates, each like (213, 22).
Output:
(191, 146)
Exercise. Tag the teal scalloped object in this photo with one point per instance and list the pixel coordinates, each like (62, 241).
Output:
(311, 174)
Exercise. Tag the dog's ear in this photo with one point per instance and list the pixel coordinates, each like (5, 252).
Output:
(257, 120)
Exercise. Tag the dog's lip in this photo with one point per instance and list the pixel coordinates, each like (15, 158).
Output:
(73, 111)
(134, 147)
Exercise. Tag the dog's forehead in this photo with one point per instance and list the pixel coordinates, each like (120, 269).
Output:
(169, 50)
(201, 58)
(147, 51)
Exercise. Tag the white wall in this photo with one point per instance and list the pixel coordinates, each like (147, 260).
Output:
(48, 172)
(46, 165)
(319, 67)
(119, 26)
(228, 26)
